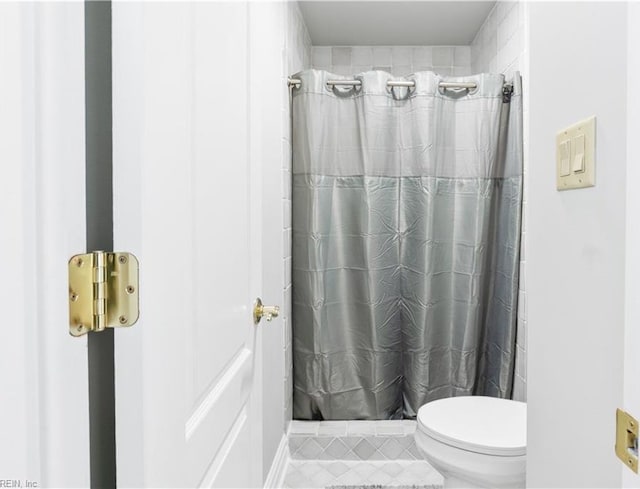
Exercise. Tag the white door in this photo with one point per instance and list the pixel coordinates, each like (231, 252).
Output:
(44, 414)
(187, 204)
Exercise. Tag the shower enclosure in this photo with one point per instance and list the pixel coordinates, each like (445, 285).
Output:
(406, 235)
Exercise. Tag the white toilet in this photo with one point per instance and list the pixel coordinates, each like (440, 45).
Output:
(475, 441)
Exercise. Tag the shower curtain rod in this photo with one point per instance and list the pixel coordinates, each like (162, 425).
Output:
(295, 82)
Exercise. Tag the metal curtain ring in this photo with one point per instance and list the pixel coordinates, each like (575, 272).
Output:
(402, 92)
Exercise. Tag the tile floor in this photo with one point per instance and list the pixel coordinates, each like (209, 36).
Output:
(356, 453)
(318, 474)
(353, 448)
(353, 440)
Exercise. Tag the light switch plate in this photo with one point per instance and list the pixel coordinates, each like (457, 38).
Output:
(580, 135)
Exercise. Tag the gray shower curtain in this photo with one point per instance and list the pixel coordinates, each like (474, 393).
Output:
(406, 237)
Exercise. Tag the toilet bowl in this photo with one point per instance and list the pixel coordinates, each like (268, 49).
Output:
(475, 441)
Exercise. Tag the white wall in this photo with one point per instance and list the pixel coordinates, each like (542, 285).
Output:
(500, 46)
(575, 247)
(632, 295)
(397, 60)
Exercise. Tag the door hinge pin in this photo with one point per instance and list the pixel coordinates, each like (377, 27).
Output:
(102, 291)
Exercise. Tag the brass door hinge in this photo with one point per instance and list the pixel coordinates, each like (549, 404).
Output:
(103, 291)
(627, 439)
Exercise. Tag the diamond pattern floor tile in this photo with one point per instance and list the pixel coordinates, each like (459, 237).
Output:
(318, 474)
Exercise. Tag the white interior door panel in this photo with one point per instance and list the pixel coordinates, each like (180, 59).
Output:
(185, 203)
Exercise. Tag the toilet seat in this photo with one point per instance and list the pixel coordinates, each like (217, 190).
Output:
(485, 425)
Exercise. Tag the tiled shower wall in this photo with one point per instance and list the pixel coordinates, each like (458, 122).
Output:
(297, 57)
(499, 44)
(500, 47)
(397, 60)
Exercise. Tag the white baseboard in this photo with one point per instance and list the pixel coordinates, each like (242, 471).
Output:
(275, 477)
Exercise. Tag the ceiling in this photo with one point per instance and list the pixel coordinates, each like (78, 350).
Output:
(393, 23)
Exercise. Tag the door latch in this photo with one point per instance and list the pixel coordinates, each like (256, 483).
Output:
(103, 291)
(627, 439)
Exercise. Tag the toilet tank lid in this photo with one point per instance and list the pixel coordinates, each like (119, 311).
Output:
(479, 424)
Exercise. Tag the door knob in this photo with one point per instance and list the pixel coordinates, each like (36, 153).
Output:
(260, 311)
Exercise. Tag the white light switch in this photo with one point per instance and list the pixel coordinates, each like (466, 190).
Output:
(578, 154)
(575, 155)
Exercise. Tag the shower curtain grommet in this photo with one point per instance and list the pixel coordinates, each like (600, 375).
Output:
(444, 91)
(402, 93)
(345, 91)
